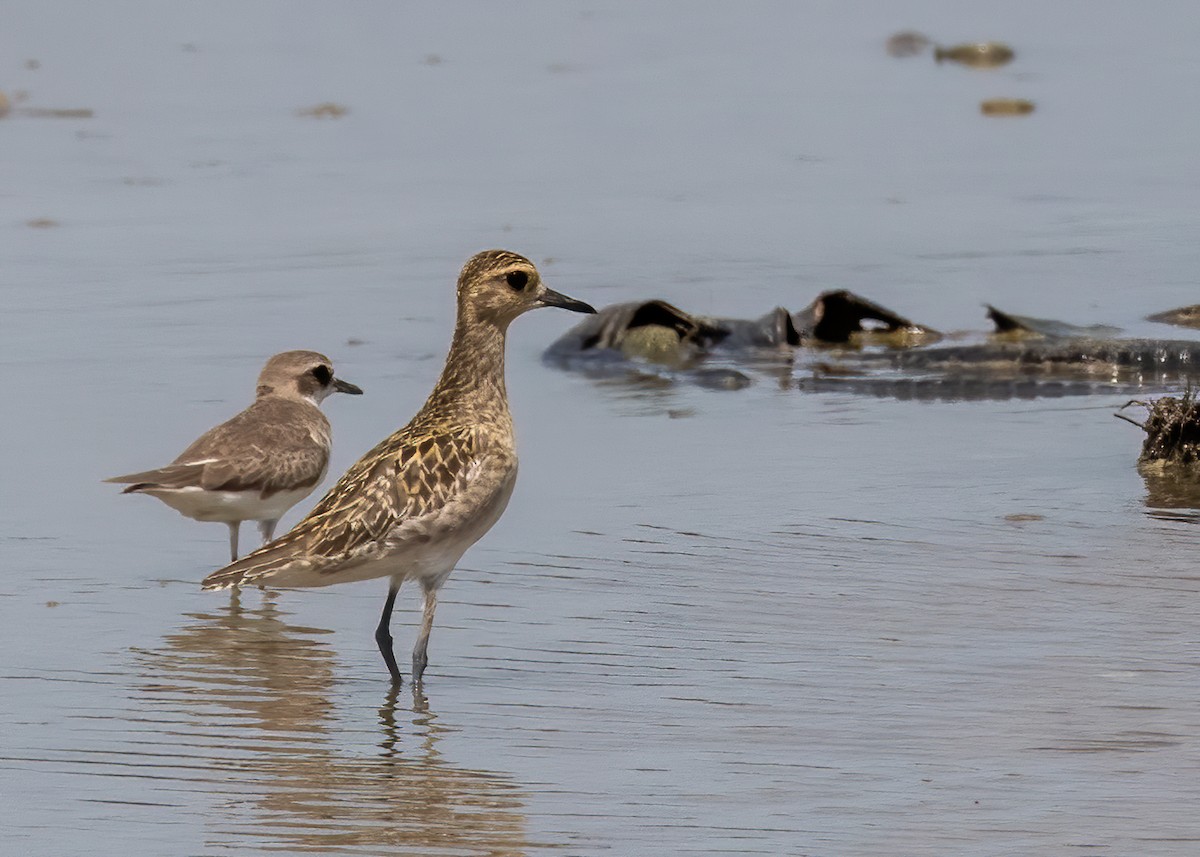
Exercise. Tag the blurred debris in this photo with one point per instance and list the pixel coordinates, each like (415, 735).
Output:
(325, 110)
(5, 104)
(1006, 107)
(1172, 430)
(41, 223)
(58, 112)
(976, 54)
(1184, 316)
(907, 43)
(32, 65)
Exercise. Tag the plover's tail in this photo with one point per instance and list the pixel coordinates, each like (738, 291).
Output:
(172, 476)
(139, 486)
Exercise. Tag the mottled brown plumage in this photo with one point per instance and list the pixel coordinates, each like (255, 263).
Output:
(412, 506)
(260, 463)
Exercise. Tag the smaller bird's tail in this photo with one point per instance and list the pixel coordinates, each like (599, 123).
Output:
(172, 476)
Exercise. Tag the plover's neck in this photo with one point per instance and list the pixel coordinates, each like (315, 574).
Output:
(293, 395)
(472, 382)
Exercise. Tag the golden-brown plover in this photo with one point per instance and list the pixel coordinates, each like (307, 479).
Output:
(412, 506)
(260, 463)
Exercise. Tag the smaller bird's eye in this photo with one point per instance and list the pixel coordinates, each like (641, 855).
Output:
(322, 374)
(517, 279)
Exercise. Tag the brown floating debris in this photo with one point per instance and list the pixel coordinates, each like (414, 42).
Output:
(976, 54)
(1172, 430)
(58, 113)
(41, 223)
(325, 110)
(908, 43)
(32, 65)
(1184, 316)
(1006, 107)
(5, 104)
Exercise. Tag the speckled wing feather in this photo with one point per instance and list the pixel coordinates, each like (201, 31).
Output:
(273, 445)
(393, 494)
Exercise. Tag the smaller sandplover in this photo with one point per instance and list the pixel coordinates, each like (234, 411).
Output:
(411, 507)
(260, 463)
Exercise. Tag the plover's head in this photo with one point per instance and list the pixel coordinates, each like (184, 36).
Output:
(301, 374)
(498, 286)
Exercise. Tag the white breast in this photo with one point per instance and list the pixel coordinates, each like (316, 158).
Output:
(229, 506)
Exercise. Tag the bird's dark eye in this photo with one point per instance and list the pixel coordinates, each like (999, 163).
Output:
(322, 374)
(517, 279)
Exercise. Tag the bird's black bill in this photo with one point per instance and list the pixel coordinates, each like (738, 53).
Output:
(340, 386)
(553, 298)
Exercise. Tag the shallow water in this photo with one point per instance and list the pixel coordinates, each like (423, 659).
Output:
(753, 622)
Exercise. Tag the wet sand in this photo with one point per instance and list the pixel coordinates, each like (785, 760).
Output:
(752, 622)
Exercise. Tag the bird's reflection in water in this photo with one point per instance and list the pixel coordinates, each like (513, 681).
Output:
(245, 668)
(242, 693)
(1171, 494)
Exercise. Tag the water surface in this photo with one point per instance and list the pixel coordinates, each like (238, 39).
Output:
(759, 622)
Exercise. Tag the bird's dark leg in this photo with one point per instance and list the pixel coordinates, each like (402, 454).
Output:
(383, 636)
(420, 650)
(234, 526)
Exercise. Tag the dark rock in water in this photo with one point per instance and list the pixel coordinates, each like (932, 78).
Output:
(1098, 358)
(1184, 316)
(1025, 358)
(1023, 325)
(655, 333)
(773, 330)
(654, 342)
(838, 316)
(720, 379)
(958, 386)
(607, 330)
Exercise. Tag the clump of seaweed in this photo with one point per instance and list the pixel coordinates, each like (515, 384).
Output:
(1172, 428)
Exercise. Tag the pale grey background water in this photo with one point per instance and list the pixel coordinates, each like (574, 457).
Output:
(784, 624)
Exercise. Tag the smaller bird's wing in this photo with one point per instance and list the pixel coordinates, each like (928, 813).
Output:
(395, 493)
(273, 445)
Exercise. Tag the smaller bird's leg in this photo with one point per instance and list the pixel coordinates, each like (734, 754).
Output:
(267, 529)
(420, 655)
(234, 526)
(383, 636)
